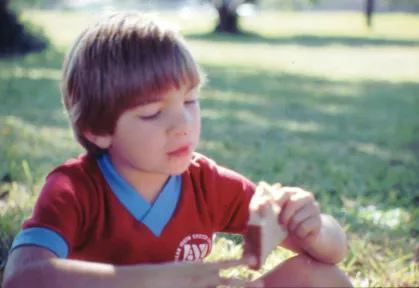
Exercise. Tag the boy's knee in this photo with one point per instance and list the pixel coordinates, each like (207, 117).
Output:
(320, 274)
(303, 271)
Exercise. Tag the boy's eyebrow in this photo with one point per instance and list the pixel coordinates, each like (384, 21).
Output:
(153, 100)
(156, 98)
(193, 87)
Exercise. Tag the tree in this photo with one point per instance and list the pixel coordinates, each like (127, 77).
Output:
(228, 14)
(369, 10)
(14, 38)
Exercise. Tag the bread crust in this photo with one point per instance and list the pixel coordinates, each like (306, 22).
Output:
(264, 232)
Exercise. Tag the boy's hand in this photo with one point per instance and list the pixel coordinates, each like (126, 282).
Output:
(300, 213)
(198, 275)
(317, 234)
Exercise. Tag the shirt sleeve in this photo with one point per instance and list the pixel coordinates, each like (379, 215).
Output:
(55, 223)
(230, 194)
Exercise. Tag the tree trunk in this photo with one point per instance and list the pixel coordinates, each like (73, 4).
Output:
(227, 18)
(14, 39)
(369, 10)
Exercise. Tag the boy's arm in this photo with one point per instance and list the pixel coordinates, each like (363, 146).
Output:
(37, 265)
(31, 265)
(330, 246)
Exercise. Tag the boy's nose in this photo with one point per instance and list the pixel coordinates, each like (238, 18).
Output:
(181, 124)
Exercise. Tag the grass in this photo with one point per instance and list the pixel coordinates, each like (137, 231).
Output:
(311, 99)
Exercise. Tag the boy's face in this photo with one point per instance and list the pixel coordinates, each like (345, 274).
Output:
(158, 137)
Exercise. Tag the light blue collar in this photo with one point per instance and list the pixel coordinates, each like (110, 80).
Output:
(154, 216)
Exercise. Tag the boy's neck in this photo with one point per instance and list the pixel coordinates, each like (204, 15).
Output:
(148, 185)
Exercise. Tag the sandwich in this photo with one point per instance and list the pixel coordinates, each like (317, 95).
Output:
(264, 233)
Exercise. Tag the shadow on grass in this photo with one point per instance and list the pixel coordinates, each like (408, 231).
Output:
(349, 142)
(346, 141)
(303, 40)
(33, 126)
(30, 85)
(52, 58)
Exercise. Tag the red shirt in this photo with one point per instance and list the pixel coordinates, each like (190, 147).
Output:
(87, 211)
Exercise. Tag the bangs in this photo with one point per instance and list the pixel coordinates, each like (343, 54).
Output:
(143, 71)
(131, 70)
(168, 68)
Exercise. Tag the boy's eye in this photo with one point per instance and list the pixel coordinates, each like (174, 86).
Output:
(152, 116)
(191, 101)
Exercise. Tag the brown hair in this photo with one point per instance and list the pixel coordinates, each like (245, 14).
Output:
(122, 60)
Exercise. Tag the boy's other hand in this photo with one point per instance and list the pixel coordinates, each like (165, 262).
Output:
(300, 213)
(199, 275)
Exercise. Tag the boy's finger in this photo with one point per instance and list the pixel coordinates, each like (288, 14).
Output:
(260, 206)
(255, 284)
(297, 201)
(281, 196)
(225, 264)
(259, 200)
(277, 185)
(250, 259)
(309, 226)
(232, 282)
(302, 214)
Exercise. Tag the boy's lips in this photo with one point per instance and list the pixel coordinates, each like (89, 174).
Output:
(181, 151)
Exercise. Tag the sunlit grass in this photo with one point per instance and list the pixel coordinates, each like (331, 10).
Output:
(315, 100)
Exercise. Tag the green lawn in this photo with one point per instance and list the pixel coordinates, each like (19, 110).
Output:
(314, 100)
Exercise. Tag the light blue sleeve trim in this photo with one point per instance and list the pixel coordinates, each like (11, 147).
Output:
(44, 238)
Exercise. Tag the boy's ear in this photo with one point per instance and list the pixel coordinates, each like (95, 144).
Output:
(101, 141)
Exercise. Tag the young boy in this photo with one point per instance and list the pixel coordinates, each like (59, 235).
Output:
(139, 209)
